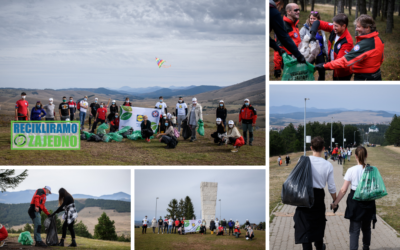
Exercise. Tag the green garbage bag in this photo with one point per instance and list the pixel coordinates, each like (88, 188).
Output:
(371, 186)
(200, 130)
(294, 71)
(135, 135)
(25, 238)
(115, 137)
(123, 130)
(102, 129)
(88, 135)
(106, 138)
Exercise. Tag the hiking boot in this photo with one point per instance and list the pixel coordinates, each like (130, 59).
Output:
(40, 244)
(61, 244)
(73, 244)
(250, 143)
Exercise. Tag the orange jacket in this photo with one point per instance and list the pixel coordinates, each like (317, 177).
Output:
(39, 199)
(248, 114)
(293, 32)
(365, 57)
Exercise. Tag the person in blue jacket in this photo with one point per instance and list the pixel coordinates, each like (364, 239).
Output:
(276, 24)
(231, 225)
(37, 111)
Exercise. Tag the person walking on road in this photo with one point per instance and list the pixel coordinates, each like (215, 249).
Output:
(348, 154)
(360, 213)
(38, 204)
(287, 160)
(247, 118)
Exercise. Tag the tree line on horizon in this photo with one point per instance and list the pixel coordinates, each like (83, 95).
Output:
(184, 208)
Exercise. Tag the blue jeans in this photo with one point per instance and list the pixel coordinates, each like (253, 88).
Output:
(37, 227)
(82, 116)
(224, 228)
(169, 229)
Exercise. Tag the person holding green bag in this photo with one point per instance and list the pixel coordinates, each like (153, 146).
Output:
(360, 213)
(195, 114)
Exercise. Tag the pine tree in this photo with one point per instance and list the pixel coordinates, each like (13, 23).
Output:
(28, 228)
(181, 209)
(172, 208)
(189, 209)
(392, 134)
(81, 230)
(6, 181)
(105, 230)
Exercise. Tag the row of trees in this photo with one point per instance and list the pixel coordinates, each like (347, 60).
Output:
(291, 140)
(104, 230)
(392, 134)
(183, 209)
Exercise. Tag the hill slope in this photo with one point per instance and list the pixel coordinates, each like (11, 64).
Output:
(253, 89)
(167, 92)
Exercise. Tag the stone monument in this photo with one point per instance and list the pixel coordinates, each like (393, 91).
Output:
(208, 192)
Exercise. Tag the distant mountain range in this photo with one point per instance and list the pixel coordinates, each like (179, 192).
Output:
(287, 109)
(26, 197)
(152, 89)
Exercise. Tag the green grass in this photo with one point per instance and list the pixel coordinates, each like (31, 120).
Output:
(83, 243)
(389, 68)
(196, 241)
(201, 152)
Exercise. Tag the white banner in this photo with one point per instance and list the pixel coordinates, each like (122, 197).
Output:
(192, 226)
(133, 117)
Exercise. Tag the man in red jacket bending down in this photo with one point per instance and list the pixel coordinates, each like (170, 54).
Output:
(366, 58)
(36, 207)
(247, 118)
(340, 42)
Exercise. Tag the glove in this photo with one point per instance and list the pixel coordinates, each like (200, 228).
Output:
(301, 59)
(312, 38)
(281, 51)
(335, 209)
(319, 66)
(50, 215)
(277, 73)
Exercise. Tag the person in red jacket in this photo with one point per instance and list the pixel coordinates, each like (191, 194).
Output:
(72, 108)
(21, 109)
(340, 42)
(114, 123)
(37, 206)
(3, 235)
(247, 118)
(290, 20)
(366, 58)
(220, 230)
(101, 115)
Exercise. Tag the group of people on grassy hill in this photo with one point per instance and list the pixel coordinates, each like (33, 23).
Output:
(173, 225)
(66, 204)
(337, 53)
(310, 222)
(339, 154)
(189, 118)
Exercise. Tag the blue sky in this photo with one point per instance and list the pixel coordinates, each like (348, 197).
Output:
(101, 43)
(365, 97)
(242, 192)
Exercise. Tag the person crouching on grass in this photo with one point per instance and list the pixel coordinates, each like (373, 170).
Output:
(249, 233)
(146, 130)
(220, 133)
(233, 137)
(169, 136)
(220, 230)
(3, 235)
(237, 232)
(66, 203)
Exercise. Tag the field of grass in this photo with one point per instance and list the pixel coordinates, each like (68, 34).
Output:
(196, 241)
(83, 243)
(389, 68)
(201, 152)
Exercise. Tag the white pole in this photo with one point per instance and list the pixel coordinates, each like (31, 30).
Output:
(220, 218)
(305, 101)
(331, 132)
(156, 207)
(343, 135)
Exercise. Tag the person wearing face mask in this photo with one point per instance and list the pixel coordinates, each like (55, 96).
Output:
(83, 107)
(145, 221)
(233, 137)
(50, 110)
(21, 108)
(36, 207)
(220, 133)
(113, 110)
(72, 108)
(222, 112)
(94, 106)
(194, 115)
(127, 102)
(161, 123)
(173, 119)
(161, 105)
(247, 118)
(100, 116)
(181, 112)
(114, 124)
(37, 111)
(63, 109)
(146, 130)
(169, 136)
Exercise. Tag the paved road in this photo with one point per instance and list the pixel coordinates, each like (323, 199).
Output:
(337, 227)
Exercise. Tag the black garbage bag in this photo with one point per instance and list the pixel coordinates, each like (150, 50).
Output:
(297, 190)
(129, 132)
(95, 138)
(186, 131)
(83, 137)
(147, 133)
(51, 231)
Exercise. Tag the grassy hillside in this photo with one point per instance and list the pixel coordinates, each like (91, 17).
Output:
(389, 68)
(196, 241)
(128, 152)
(83, 243)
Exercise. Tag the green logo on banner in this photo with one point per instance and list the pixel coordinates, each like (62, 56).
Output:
(20, 140)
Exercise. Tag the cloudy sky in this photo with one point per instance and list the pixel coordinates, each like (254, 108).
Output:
(242, 192)
(365, 97)
(94, 182)
(101, 43)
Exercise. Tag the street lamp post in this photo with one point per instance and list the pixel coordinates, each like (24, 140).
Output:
(343, 135)
(305, 101)
(156, 207)
(355, 137)
(331, 131)
(220, 218)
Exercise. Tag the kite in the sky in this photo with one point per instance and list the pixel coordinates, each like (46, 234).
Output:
(160, 63)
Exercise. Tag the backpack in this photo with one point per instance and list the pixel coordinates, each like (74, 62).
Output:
(176, 133)
(78, 106)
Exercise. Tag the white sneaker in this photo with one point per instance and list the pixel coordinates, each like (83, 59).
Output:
(158, 233)
(247, 238)
(2, 243)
